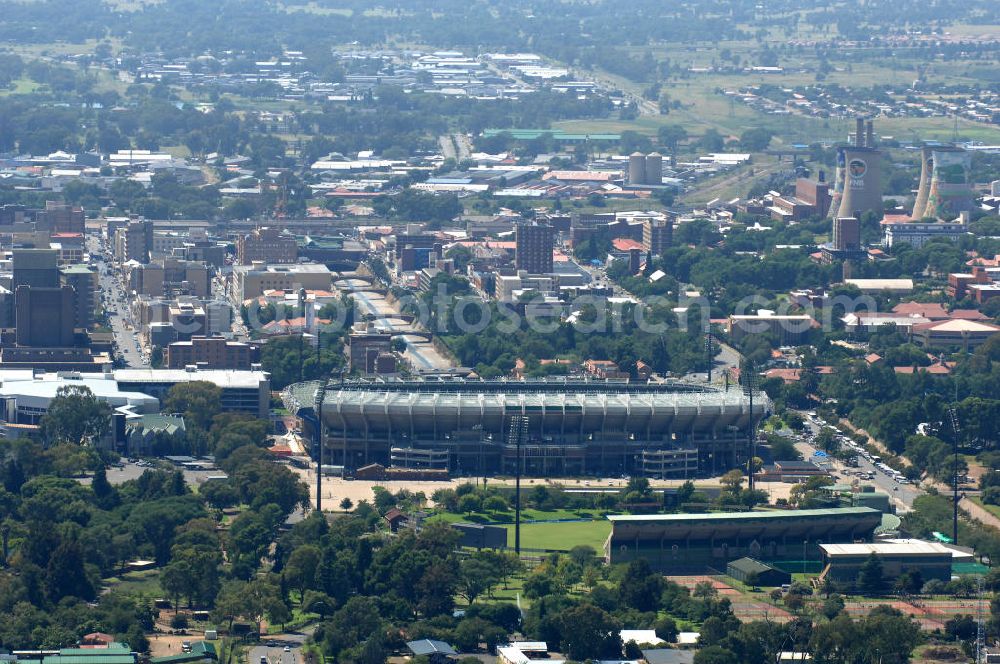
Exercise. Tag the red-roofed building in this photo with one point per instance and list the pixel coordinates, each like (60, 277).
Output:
(936, 369)
(786, 375)
(945, 333)
(968, 314)
(625, 244)
(928, 310)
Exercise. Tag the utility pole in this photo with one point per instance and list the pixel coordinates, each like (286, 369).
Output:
(320, 396)
(956, 427)
(708, 353)
(518, 431)
(748, 379)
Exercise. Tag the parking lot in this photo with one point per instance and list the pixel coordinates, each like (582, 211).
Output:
(131, 471)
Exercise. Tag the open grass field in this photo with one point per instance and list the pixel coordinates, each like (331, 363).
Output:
(145, 583)
(561, 536)
(551, 535)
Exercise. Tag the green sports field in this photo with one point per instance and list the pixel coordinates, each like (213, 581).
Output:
(561, 536)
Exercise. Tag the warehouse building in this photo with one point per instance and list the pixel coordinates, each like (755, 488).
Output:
(762, 574)
(842, 562)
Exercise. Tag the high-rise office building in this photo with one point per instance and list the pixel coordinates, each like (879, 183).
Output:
(846, 234)
(59, 217)
(533, 250)
(657, 235)
(45, 316)
(268, 245)
(83, 281)
(134, 242)
(35, 267)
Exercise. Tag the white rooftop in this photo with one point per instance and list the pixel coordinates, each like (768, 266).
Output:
(895, 547)
(641, 636)
(234, 378)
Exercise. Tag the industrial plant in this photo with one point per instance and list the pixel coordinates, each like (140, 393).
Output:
(858, 183)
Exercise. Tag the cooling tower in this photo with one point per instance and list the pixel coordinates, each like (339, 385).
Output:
(654, 168)
(637, 168)
(923, 189)
(950, 191)
(837, 192)
(862, 191)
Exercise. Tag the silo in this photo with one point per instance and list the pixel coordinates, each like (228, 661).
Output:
(862, 182)
(924, 188)
(654, 168)
(950, 192)
(637, 168)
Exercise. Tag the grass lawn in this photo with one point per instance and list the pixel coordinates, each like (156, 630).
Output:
(562, 536)
(145, 583)
(992, 509)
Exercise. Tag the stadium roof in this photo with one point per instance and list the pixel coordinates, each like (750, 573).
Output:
(901, 547)
(742, 516)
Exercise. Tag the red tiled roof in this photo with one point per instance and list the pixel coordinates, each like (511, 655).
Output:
(968, 314)
(625, 244)
(787, 375)
(930, 310)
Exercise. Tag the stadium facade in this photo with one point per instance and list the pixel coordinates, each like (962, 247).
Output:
(694, 543)
(574, 427)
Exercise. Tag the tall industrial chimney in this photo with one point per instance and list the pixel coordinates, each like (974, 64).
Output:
(924, 188)
(870, 134)
(859, 133)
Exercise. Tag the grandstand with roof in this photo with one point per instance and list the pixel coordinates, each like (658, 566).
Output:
(575, 427)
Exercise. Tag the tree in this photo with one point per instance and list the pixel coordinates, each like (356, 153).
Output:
(870, 579)
(756, 139)
(704, 590)
(319, 603)
(732, 481)
(666, 629)
(300, 570)
(639, 588)
(833, 606)
(715, 655)
(220, 494)
(174, 580)
(670, 135)
(75, 416)
(589, 633)
(476, 575)
(66, 576)
(104, 494)
(346, 504)
(495, 503)
(198, 401)
(469, 503)
(752, 580)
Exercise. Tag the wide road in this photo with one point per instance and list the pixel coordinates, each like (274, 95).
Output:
(272, 650)
(420, 353)
(902, 495)
(116, 304)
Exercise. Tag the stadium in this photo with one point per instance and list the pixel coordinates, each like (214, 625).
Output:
(683, 543)
(574, 427)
